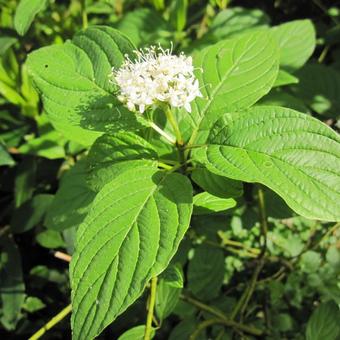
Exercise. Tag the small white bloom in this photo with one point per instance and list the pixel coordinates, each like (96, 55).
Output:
(156, 76)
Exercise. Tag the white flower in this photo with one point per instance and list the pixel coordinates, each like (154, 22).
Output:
(156, 76)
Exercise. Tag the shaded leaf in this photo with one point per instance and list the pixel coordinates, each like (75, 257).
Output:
(108, 150)
(12, 287)
(205, 278)
(72, 200)
(216, 185)
(324, 322)
(319, 87)
(29, 214)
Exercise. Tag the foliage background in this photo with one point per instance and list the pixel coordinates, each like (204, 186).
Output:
(302, 269)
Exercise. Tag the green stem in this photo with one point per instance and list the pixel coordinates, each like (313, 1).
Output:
(172, 120)
(59, 317)
(247, 294)
(168, 137)
(165, 166)
(329, 232)
(221, 318)
(84, 14)
(263, 220)
(148, 326)
(323, 54)
(228, 323)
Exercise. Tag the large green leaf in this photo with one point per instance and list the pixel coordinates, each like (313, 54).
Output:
(74, 84)
(235, 74)
(130, 234)
(25, 13)
(296, 40)
(295, 155)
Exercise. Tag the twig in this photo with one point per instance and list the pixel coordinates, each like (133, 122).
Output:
(221, 318)
(229, 323)
(56, 319)
(62, 256)
(247, 294)
(329, 232)
(148, 326)
(323, 54)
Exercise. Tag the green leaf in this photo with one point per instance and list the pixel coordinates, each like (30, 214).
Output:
(230, 23)
(276, 207)
(144, 27)
(284, 78)
(26, 12)
(173, 276)
(184, 329)
(25, 180)
(5, 43)
(5, 157)
(178, 14)
(293, 154)
(216, 185)
(205, 278)
(29, 214)
(237, 20)
(310, 261)
(33, 304)
(296, 40)
(12, 286)
(205, 203)
(169, 288)
(278, 98)
(49, 144)
(131, 233)
(235, 74)
(108, 150)
(135, 333)
(72, 200)
(50, 239)
(319, 87)
(74, 84)
(324, 322)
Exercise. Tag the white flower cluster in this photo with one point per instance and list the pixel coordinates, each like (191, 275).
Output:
(156, 76)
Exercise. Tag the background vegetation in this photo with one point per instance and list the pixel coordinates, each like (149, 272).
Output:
(292, 291)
